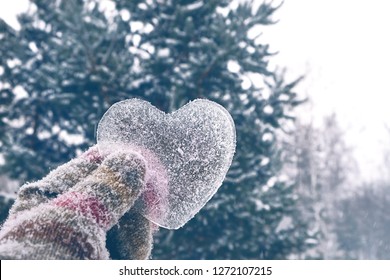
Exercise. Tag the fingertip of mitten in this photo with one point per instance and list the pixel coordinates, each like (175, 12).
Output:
(130, 166)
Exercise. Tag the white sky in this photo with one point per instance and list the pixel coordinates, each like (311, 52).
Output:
(343, 48)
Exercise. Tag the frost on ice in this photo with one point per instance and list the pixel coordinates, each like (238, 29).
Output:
(188, 153)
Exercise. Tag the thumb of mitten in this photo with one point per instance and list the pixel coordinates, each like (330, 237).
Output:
(74, 225)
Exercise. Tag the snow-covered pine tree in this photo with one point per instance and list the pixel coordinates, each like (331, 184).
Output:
(188, 48)
(64, 67)
(71, 60)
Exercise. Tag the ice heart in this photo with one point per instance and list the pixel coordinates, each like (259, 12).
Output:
(188, 153)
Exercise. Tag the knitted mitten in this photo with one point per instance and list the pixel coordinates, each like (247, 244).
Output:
(57, 181)
(74, 224)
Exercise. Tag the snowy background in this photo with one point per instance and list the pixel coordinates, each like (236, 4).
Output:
(336, 159)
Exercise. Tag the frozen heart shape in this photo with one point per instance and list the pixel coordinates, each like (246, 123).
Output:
(188, 153)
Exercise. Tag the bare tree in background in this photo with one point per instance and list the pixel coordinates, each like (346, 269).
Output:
(363, 224)
(320, 162)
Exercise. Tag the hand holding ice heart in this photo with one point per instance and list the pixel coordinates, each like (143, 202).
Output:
(188, 153)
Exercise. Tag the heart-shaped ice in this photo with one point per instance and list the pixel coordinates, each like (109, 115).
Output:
(188, 153)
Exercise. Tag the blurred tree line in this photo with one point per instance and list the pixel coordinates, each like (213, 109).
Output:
(71, 60)
(319, 161)
(348, 217)
(362, 223)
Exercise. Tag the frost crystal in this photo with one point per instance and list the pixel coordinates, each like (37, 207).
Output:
(188, 153)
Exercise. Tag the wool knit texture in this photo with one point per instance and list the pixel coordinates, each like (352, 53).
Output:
(67, 214)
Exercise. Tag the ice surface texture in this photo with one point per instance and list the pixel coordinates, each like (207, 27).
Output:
(188, 153)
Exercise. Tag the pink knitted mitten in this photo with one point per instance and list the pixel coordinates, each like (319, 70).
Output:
(67, 214)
